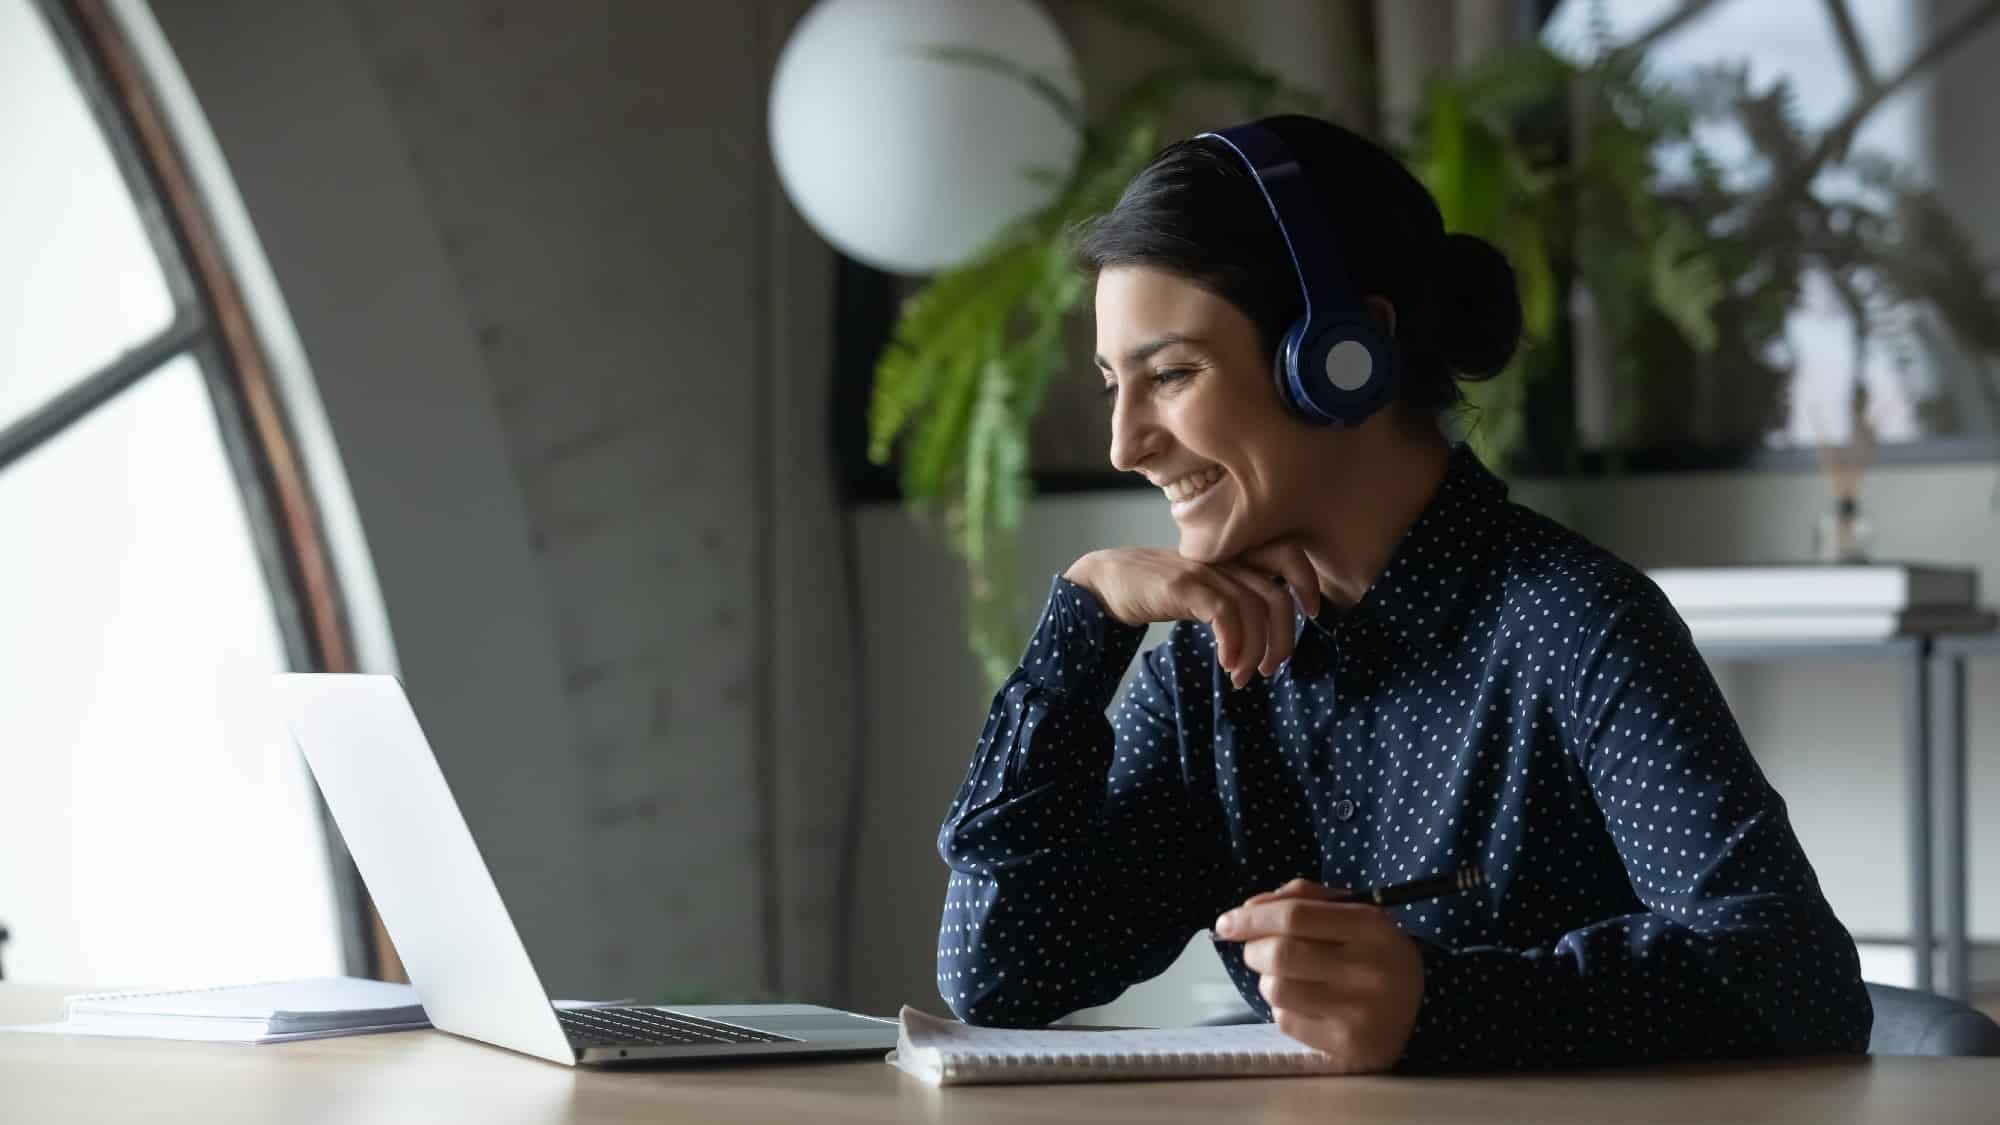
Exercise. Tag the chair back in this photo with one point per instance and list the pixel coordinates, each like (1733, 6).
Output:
(1918, 1023)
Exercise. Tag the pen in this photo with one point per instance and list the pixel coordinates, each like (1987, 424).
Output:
(1469, 877)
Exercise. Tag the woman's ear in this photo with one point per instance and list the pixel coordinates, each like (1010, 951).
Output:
(1381, 312)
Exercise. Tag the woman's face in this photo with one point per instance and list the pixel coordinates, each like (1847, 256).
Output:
(1195, 410)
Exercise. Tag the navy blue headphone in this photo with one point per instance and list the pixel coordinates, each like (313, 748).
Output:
(1334, 365)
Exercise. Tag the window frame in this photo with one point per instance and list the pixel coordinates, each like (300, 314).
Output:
(212, 325)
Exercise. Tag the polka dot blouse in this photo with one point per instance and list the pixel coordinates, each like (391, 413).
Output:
(1507, 694)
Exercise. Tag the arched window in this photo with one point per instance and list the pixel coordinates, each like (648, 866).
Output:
(159, 559)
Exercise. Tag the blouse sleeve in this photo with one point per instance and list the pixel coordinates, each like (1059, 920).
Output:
(1737, 952)
(1068, 827)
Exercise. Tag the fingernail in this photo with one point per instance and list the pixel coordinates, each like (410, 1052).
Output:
(1225, 924)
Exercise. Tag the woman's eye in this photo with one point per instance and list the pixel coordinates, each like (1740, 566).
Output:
(1165, 376)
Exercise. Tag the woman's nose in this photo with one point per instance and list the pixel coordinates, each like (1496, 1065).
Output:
(1134, 436)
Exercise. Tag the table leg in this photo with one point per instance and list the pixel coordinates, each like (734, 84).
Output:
(1917, 709)
(1957, 971)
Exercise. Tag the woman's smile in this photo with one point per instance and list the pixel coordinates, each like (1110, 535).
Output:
(1195, 493)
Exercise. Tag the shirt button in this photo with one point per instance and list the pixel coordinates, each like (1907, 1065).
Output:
(1344, 810)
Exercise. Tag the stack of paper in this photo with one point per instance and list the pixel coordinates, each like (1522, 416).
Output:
(1824, 602)
(272, 1012)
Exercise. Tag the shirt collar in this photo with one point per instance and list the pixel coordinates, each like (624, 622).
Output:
(1427, 575)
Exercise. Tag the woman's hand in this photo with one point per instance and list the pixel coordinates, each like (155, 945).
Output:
(1339, 976)
(1244, 600)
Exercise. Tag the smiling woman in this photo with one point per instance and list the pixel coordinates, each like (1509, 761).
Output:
(1379, 669)
(1197, 324)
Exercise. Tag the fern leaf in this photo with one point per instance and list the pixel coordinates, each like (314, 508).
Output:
(934, 322)
(1528, 253)
(933, 460)
(1685, 284)
(1171, 25)
(1050, 89)
(986, 429)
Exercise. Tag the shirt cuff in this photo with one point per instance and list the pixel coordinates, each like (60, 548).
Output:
(1438, 1031)
(1078, 649)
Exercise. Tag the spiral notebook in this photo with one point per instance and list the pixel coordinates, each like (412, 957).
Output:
(948, 1053)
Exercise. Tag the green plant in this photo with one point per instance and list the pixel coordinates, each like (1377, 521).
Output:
(1497, 180)
(1558, 164)
(1691, 270)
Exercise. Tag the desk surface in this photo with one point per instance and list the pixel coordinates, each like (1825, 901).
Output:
(430, 1076)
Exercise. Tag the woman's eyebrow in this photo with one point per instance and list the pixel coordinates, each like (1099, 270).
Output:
(1143, 352)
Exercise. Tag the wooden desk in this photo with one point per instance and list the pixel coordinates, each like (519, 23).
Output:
(432, 1077)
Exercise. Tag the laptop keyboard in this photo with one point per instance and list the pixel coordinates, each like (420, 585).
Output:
(651, 1027)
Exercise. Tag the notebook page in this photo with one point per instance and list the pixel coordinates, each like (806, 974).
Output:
(947, 1051)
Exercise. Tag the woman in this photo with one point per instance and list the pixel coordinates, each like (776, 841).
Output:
(1380, 669)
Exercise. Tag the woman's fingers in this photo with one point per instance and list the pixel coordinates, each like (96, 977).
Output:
(1308, 997)
(1254, 621)
(1218, 609)
(1248, 611)
(1299, 959)
(1282, 633)
(1241, 659)
(1289, 562)
(1325, 920)
(1260, 601)
(1296, 888)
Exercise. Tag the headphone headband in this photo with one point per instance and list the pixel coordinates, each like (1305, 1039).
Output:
(1333, 365)
(1282, 183)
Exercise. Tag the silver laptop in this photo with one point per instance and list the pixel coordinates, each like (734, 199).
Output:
(460, 948)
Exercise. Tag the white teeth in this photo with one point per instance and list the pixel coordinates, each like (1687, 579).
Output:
(1192, 485)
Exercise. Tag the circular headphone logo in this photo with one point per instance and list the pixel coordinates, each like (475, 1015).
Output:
(1348, 365)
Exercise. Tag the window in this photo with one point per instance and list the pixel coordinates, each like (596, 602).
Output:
(1916, 397)
(156, 825)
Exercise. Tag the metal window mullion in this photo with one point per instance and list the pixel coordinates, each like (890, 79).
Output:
(277, 565)
(140, 188)
(246, 465)
(92, 391)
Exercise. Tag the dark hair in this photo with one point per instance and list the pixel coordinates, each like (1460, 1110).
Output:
(1195, 212)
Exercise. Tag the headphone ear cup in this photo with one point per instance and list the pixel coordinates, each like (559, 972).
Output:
(1333, 367)
(1286, 370)
(1342, 375)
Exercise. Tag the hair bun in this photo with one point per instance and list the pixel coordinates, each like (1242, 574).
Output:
(1479, 307)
